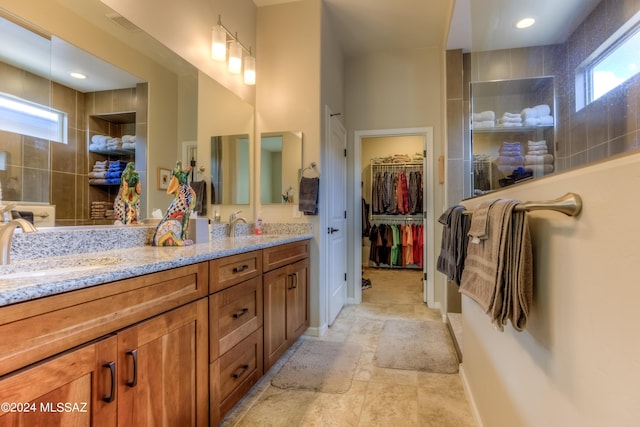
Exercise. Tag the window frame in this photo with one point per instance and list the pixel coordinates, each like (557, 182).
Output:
(32, 119)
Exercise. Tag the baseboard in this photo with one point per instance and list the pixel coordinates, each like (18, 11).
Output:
(317, 331)
(467, 391)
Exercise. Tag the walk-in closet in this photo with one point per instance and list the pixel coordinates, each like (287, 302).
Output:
(393, 205)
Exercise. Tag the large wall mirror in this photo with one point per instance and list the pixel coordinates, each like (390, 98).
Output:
(280, 166)
(552, 97)
(122, 67)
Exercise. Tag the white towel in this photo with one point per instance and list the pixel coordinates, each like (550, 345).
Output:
(511, 160)
(484, 124)
(539, 170)
(545, 120)
(537, 152)
(538, 159)
(542, 110)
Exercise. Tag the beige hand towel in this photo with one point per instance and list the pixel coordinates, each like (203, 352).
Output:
(482, 274)
(479, 227)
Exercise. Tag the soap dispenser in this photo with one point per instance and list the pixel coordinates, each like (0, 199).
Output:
(257, 228)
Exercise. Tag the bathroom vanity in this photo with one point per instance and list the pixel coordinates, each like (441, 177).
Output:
(178, 342)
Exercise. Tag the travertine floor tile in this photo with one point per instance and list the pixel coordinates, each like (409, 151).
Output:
(390, 405)
(378, 397)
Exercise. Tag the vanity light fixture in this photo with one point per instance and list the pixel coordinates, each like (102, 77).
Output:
(235, 57)
(249, 69)
(219, 42)
(525, 23)
(221, 39)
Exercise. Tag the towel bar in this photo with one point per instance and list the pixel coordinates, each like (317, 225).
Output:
(570, 204)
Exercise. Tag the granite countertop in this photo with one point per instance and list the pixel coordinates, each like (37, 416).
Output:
(25, 280)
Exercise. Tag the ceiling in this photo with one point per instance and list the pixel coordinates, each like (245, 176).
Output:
(365, 26)
(362, 26)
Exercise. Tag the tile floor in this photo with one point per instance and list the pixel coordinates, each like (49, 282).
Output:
(378, 396)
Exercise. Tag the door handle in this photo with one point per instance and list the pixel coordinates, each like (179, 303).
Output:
(332, 230)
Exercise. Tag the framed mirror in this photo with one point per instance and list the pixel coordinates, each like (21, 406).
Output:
(280, 166)
(230, 169)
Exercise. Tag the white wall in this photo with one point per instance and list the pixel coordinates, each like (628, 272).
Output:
(578, 361)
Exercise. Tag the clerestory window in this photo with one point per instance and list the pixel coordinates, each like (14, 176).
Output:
(28, 118)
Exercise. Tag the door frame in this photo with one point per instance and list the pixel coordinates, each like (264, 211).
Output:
(354, 242)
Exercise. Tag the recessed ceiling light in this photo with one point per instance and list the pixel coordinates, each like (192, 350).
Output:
(79, 76)
(525, 23)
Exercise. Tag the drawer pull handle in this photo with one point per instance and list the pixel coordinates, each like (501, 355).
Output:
(295, 281)
(112, 393)
(134, 354)
(238, 373)
(290, 278)
(242, 312)
(241, 268)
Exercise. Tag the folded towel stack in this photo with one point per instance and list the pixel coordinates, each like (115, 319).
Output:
(106, 172)
(510, 120)
(538, 159)
(102, 210)
(108, 143)
(510, 157)
(540, 115)
(483, 120)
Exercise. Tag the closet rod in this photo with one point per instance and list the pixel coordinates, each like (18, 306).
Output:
(570, 204)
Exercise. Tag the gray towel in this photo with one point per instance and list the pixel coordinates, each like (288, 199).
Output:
(308, 201)
(200, 188)
(498, 272)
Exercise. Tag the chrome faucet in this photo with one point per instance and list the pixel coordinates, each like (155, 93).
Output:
(6, 236)
(234, 219)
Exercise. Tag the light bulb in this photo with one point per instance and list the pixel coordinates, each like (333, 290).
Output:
(219, 43)
(249, 70)
(235, 57)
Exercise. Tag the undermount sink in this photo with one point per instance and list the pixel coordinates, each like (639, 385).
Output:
(41, 268)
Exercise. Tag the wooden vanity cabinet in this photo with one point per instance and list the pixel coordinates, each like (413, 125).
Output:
(235, 330)
(134, 350)
(286, 298)
(84, 378)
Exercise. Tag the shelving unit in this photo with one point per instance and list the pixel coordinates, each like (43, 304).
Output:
(512, 96)
(114, 124)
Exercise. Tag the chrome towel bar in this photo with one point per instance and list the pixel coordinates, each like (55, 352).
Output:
(570, 204)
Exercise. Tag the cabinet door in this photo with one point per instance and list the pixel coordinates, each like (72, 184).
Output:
(297, 300)
(163, 378)
(75, 389)
(275, 285)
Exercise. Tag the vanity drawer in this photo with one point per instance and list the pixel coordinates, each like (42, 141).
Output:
(47, 326)
(234, 313)
(233, 375)
(228, 271)
(278, 256)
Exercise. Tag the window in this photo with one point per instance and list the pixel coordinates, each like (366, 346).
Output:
(613, 63)
(28, 118)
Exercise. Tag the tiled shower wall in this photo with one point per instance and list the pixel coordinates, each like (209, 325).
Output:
(607, 127)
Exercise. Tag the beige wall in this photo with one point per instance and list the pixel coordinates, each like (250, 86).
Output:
(288, 99)
(187, 31)
(392, 90)
(577, 363)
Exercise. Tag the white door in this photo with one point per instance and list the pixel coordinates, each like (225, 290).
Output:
(336, 168)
